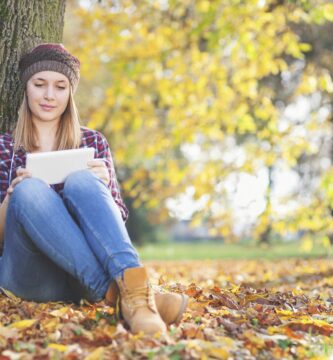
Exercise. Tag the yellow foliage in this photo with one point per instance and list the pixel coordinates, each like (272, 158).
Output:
(325, 241)
(169, 74)
(307, 244)
(325, 82)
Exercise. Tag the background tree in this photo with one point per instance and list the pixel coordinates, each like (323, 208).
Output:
(23, 24)
(194, 94)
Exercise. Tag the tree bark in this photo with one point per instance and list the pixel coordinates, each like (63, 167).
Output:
(23, 25)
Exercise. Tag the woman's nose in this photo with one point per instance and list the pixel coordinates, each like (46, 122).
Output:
(49, 93)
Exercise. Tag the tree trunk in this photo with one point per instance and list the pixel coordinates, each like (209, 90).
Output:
(23, 25)
(265, 237)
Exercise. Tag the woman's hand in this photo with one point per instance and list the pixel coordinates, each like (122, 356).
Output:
(98, 167)
(21, 174)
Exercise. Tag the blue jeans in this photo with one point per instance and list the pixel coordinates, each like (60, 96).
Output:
(64, 249)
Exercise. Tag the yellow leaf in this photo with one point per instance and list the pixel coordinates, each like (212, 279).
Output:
(58, 347)
(235, 288)
(283, 312)
(51, 325)
(97, 354)
(10, 295)
(23, 324)
(60, 312)
(325, 83)
(218, 353)
(273, 330)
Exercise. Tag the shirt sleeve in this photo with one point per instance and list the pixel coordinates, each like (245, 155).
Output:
(3, 182)
(103, 152)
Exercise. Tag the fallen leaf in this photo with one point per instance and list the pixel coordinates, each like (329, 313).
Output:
(58, 347)
(97, 354)
(23, 324)
(218, 353)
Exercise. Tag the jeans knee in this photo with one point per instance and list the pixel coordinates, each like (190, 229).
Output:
(78, 181)
(29, 191)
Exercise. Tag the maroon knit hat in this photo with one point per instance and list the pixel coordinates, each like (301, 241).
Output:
(52, 57)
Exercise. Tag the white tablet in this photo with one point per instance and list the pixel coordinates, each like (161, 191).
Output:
(54, 166)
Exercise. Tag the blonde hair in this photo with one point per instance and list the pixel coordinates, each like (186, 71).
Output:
(68, 134)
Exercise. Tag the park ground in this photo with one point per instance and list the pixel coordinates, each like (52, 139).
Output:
(262, 307)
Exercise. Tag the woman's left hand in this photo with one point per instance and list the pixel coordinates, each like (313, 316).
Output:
(98, 167)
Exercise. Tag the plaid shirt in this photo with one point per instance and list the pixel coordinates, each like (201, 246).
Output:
(10, 161)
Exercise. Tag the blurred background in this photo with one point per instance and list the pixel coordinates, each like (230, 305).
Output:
(219, 118)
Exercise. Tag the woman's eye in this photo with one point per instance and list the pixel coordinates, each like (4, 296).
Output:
(59, 87)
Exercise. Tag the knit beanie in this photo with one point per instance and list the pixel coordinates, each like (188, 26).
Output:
(52, 57)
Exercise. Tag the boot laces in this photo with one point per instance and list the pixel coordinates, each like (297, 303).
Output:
(140, 297)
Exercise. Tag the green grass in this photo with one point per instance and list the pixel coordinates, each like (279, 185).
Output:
(215, 251)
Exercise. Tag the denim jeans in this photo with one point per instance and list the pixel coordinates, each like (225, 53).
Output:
(64, 249)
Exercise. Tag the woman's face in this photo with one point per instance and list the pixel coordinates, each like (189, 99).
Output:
(48, 95)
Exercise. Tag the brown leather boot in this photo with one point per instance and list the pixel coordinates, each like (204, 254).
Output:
(171, 306)
(137, 303)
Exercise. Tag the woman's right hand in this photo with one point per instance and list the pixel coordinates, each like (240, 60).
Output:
(21, 174)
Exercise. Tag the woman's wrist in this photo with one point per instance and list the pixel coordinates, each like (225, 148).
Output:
(6, 199)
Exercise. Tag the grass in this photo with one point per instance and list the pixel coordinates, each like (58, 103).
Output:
(216, 251)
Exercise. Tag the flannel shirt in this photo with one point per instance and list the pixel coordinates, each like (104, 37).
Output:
(10, 161)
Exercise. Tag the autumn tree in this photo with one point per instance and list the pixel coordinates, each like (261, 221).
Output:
(23, 24)
(180, 87)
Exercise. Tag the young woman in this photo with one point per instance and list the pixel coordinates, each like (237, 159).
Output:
(68, 241)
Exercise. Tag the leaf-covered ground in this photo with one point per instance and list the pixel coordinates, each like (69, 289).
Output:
(238, 310)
